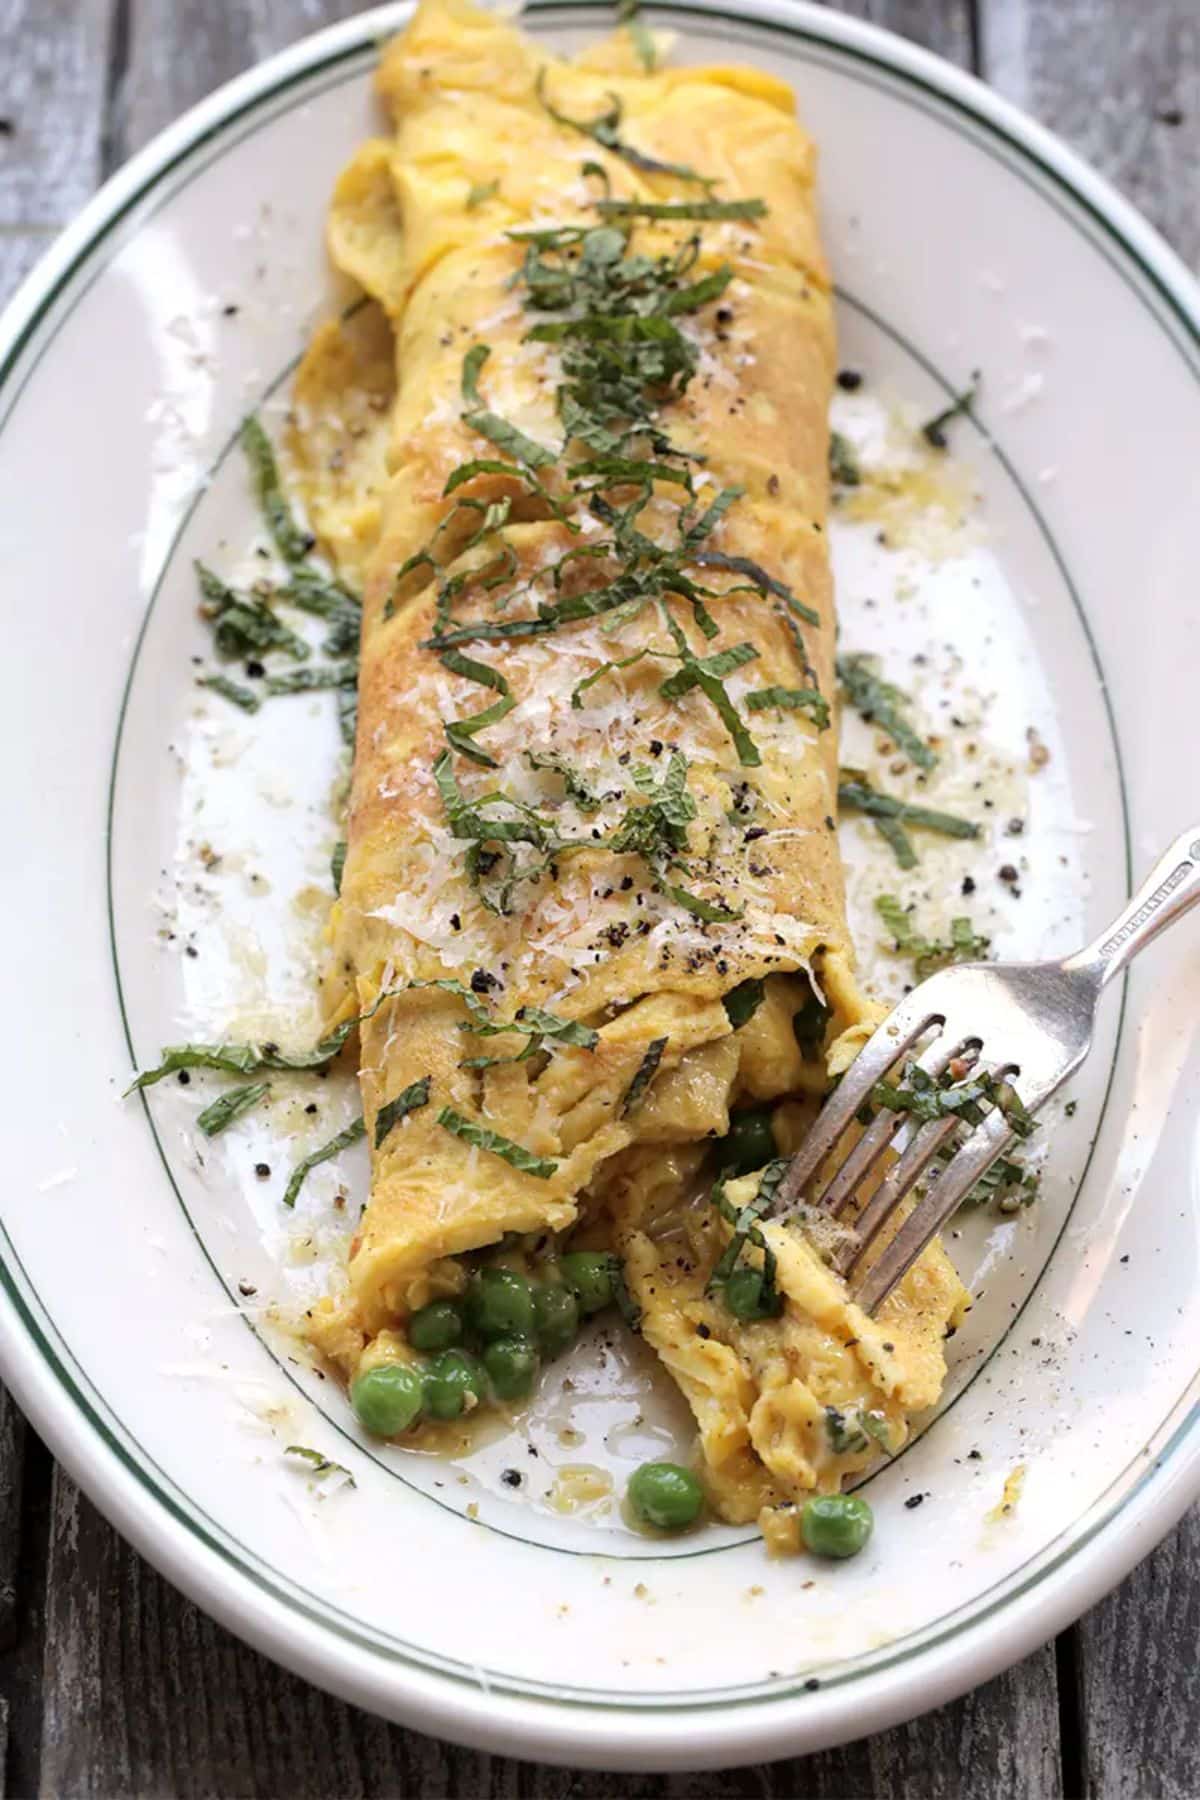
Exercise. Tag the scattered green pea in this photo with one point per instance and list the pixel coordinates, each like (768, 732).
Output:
(555, 1317)
(512, 1366)
(743, 1295)
(836, 1524)
(591, 1276)
(436, 1326)
(500, 1303)
(387, 1398)
(666, 1496)
(749, 1144)
(452, 1379)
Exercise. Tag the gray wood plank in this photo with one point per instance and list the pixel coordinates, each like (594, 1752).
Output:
(1121, 83)
(144, 1694)
(53, 78)
(1136, 1663)
(944, 26)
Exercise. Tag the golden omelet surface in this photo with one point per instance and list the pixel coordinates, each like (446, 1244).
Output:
(592, 902)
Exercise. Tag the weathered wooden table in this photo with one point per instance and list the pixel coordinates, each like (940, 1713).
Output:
(110, 1683)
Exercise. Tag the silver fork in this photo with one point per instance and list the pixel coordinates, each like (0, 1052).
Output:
(1023, 1027)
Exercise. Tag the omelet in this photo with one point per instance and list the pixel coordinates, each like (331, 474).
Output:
(592, 903)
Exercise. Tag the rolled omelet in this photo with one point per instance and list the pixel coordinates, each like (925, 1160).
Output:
(592, 902)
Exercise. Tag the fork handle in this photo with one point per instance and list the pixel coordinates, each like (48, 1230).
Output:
(1170, 889)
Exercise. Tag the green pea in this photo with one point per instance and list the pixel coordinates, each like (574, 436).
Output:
(743, 1295)
(665, 1495)
(836, 1524)
(555, 1317)
(451, 1380)
(591, 1276)
(500, 1304)
(512, 1366)
(388, 1398)
(436, 1326)
(749, 1145)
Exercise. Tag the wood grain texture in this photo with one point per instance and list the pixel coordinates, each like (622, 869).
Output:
(145, 1695)
(53, 81)
(1120, 81)
(945, 26)
(1136, 1664)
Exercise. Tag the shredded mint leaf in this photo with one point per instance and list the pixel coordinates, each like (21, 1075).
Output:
(934, 430)
(574, 786)
(856, 793)
(481, 191)
(415, 1095)
(473, 362)
(743, 1001)
(604, 130)
(337, 864)
(483, 1138)
(765, 583)
(809, 1025)
(879, 704)
(243, 625)
(342, 1141)
(313, 679)
(843, 463)
(706, 673)
(926, 1097)
(321, 1465)
(789, 699)
(929, 955)
(746, 1229)
(231, 1106)
(507, 437)
(643, 43)
(461, 732)
(681, 209)
(643, 1076)
(230, 690)
(292, 543)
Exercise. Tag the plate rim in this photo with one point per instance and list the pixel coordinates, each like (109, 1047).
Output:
(561, 1729)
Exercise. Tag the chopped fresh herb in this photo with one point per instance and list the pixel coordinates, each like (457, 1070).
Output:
(879, 703)
(231, 690)
(856, 793)
(481, 191)
(927, 1097)
(605, 131)
(292, 543)
(321, 595)
(231, 1106)
(482, 1138)
(843, 463)
(897, 840)
(808, 700)
(313, 679)
(575, 787)
(681, 209)
(934, 430)
(608, 668)
(1008, 1185)
(321, 1465)
(851, 1430)
(809, 1025)
(643, 43)
(746, 1229)
(461, 732)
(766, 584)
(964, 945)
(243, 625)
(743, 1001)
(342, 1141)
(643, 1076)
(707, 673)
(415, 1095)
(337, 864)
(473, 363)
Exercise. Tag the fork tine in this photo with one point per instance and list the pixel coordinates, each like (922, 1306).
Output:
(886, 1045)
(945, 1195)
(900, 1180)
(880, 1132)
